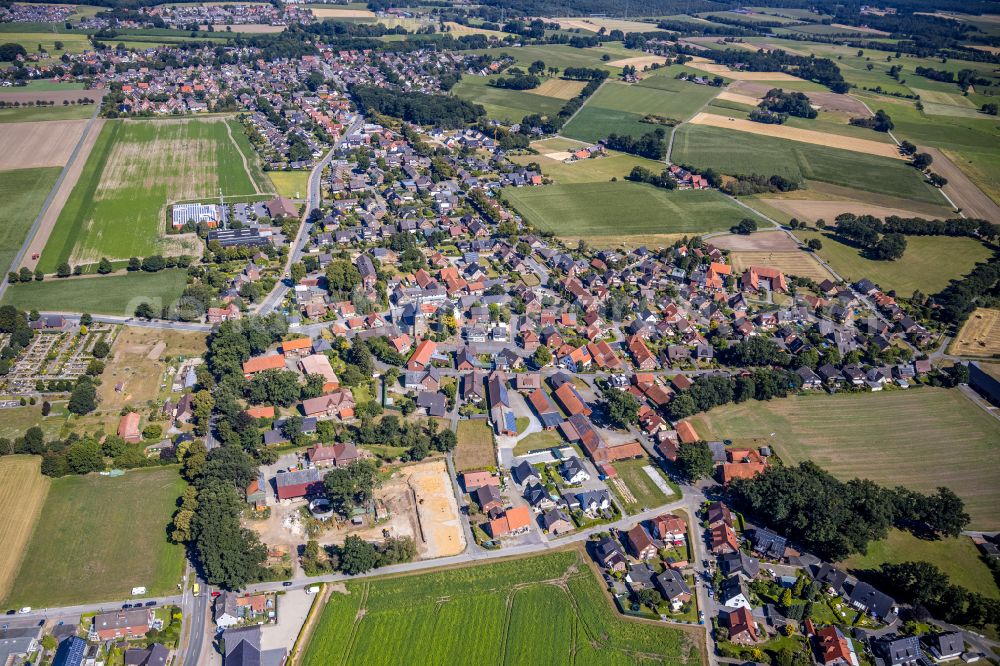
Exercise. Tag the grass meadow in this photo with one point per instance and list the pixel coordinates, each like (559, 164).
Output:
(118, 207)
(23, 192)
(504, 104)
(734, 152)
(98, 537)
(928, 264)
(596, 170)
(26, 114)
(22, 494)
(548, 609)
(475, 449)
(291, 184)
(111, 294)
(614, 210)
(921, 438)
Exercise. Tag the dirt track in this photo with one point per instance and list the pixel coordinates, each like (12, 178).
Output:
(38, 144)
(802, 135)
(62, 194)
(960, 189)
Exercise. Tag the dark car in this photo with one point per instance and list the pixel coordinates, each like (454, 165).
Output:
(126, 606)
(150, 603)
(287, 583)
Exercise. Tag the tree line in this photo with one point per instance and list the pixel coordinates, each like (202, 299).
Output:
(820, 70)
(931, 592)
(551, 125)
(417, 107)
(650, 145)
(710, 391)
(835, 519)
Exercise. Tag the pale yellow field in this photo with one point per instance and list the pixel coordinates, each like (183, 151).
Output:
(772, 241)
(459, 30)
(256, 28)
(595, 24)
(794, 262)
(980, 336)
(814, 209)
(796, 134)
(736, 97)
(559, 88)
(38, 144)
(857, 28)
(639, 61)
(952, 99)
(333, 12)
(22, 494)
(714, 68)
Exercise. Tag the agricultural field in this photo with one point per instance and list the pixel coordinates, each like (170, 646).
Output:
(118, 207)
(619, 108)
(23, 191)
(980, 335)
(71, 42)
(551, 605)
(475, 449)
(111, 294)
(35, 114)
(794, 262)
(596, 170)
(959, 558)
(504, 104)
(38, 144)
(110, 536)
(732, 152)
(561, 56)
(837, 431)
(291, 184)
(22, 494)
(928, 264)
(607, 212)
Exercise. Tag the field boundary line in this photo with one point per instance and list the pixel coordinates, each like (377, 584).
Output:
(246, 166)
(355, 628)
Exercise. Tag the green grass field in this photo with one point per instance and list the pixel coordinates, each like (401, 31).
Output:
(98, 537)
(23, 192)
(959, 558)
(646, 493)
(475, 449)
(561, 56)
(597, 170)
(733, 152)
(503, 104)
(26, 114)
(619, 107)
(545, 610)
(623, 209)
(291, 184)
(921, 438)
(928, 264)
(72, 43)
(118, 207)
(42, 85)
(111, 295)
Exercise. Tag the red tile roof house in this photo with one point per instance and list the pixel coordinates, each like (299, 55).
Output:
(742, 628)
(128, 428)
(261, 363)
(639, 543)
(297, 347)
(669, 528)
(122, 624)
(514, 521)
(421, 357)
(302, 483)
(318, 364)
(338, 404)
(337, 455)
(476, 480)
(833, 648)
(723, 540)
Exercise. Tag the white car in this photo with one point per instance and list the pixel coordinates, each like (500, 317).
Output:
(24, 611)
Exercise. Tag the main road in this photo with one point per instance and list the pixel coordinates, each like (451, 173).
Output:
(314, 197)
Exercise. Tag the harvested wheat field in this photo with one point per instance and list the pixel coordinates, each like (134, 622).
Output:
(440, 526)
(774, 241)
(57, 96)
(801, 135)
(559, 88)
(812, 210)
(38, 144)
(722, 70)
(827, 101)
(980, 336)
(860, 28)
(793, 262)
(22, 494)
(333, 12)
(639, 61)
(736, 97)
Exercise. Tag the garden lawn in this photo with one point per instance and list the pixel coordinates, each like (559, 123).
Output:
(23, 192)
(475, 448)
(536, 441)
(111, 294)
(646, 493)
(920, 438)
(959, 558)
(548, 609)
(98, 537)
(618, 108)
(118, 208)
(733, 152)
(609, 211)
(928, 264)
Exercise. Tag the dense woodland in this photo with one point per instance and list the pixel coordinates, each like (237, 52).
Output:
(416, 107)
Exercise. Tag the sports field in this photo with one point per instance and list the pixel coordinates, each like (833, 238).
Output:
(794, 262)
(505, 104)
(614, 210)
(980, 334)
(118, 207)
(98, 537)
(619, 107)
(23, 191)
(22, 493)
(921, 438)
(959, 558)
(927, 265)
(544, 610)
(475, 449)
(733, 152)
(111, 294)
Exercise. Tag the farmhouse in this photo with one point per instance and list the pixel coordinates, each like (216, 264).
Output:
(756, 278)
(338, 404)
(301, 483)
(336, 455)
(128, 428)
(122, 624)
(261, 363)
(319, 364)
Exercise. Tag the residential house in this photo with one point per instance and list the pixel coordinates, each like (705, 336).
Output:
(768, 544)
(834, 648)
(739, 563)
(556, 522)
(488, 498)
(133, 623)
(339, 403)
(896, 650)
(523, 472)
(722, 539)
(609, 555)
(734, 593)
(946, 646)
(420, 359)
(673, 588)
(573, 471)
(593, 501)
(334, 455)
(515, 520)
(741, 625)
(319, 364)
(639, 543)
(669, 528)
(866, 598)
